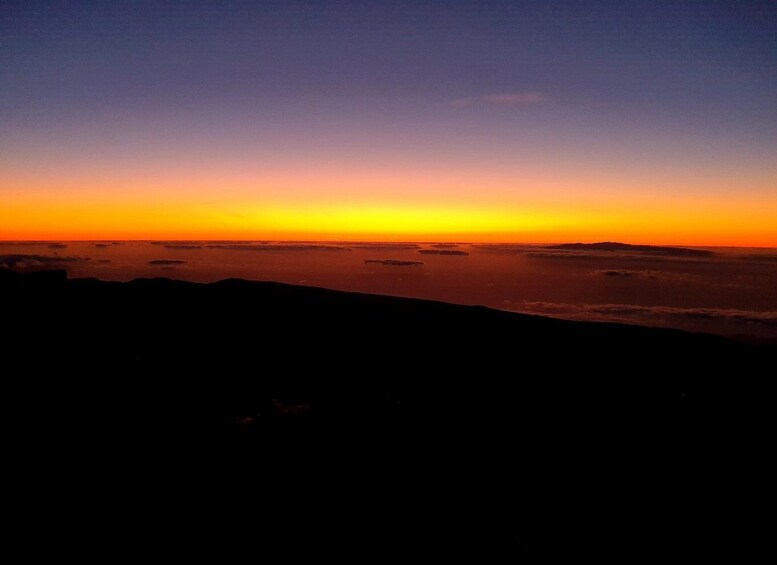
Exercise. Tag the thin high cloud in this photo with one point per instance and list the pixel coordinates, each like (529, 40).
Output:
(512, 99)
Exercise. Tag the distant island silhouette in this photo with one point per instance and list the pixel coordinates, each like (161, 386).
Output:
(615, 246)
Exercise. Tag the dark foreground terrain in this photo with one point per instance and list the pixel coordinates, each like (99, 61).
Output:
(161, 417)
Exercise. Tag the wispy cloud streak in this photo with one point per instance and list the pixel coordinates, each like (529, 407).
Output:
(512, 99)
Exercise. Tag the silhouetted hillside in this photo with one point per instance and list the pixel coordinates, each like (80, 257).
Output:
(310, 420)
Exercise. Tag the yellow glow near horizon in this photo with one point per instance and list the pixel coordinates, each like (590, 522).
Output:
(399, 220)
(676, 220)
(373, 203)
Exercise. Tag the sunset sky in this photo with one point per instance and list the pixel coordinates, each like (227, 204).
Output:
(641, 121)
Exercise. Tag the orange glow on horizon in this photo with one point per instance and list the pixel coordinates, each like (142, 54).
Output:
(735, 226)
(379, 206)
(419, 122)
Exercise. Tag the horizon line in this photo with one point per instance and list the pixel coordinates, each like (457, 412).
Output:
(376, 241)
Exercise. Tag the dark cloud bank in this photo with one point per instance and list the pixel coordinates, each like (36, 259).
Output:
(621, 274)
(394, 262)
(613, 246)
(167, 262)
(613, 250)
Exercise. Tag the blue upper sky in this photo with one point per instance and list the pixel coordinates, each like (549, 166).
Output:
(689, 59)
(635, 81)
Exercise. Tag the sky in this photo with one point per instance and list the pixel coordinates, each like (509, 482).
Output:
(641, 121)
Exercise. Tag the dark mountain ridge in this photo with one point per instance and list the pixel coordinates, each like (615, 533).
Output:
(307, 419)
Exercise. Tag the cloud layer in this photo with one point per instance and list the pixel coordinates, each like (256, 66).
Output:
(632, 313)
(19, 261)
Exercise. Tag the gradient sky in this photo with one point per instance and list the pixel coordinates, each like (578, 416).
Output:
(641, 121)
